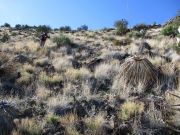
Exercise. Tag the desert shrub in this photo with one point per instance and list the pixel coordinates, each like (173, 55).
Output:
(18, 26)
(25, 78)
(49, 80)
(71, 130)
(130, 109)
(94, 123)
(121, 27)
(141, 26)
(62, 40)
(68, 119)
(28, 127)
(14, 34)
(177, 48)
(5, 38)
(62, 63)
(52, 119)
(116, 42)
(83, 27)
(77, 74)
(122, 42)
(137, 34)
(43, 28)
(170, 30)
(65, 28)
(25, 27)
(7, 25)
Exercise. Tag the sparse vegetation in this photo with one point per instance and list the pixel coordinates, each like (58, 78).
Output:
(121, 27)
(137, 34)
(28, 127)
(83, 27)
(89, 82)
(140, 27)
(130, 109)
(62, 40)
(43, 28)
(7, 25)
(5, 38)
(65, 28)
(170, 30)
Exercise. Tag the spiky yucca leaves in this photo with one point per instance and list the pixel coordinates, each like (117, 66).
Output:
(137, 71)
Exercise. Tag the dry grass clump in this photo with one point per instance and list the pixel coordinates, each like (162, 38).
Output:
(77, 74)
(62, 63)
(49, 80)
(7, 66)
(26, 72)
(28, 127)
(25, 78)
(59, 100)
(26, 46)
(130, 109)
(173, 99)
(154, 117)
(94, 123)
(136, 72)
(29, 68)
(3, 58)
(72, 131)
(107, 70)
(42, 92)
(52, 119)
(68, 119)
(42, 62)
(157, 60)
(169, 75)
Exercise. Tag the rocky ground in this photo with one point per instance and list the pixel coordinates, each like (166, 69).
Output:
(103, 84)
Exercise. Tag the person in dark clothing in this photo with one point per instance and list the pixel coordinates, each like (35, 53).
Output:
(43, 38)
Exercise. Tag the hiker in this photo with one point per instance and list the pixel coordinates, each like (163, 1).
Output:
(43, 38)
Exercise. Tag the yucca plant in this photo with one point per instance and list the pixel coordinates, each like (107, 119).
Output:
(138, 71)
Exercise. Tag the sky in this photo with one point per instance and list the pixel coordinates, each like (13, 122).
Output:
(96, 14)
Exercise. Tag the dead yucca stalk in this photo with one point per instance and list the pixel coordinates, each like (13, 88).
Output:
(138, 71)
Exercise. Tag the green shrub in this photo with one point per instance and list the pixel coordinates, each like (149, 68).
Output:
(83, 27)
(141, 26)
(170, 30)
(5, 38)
(62, 40)
(43, 28)
(18, 26)
(7, 25)
(177, 48)
(121, 27)
(14, 34)
(65, 28)
(52, 119)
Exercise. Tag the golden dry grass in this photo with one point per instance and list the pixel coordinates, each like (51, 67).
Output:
(130, 109)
